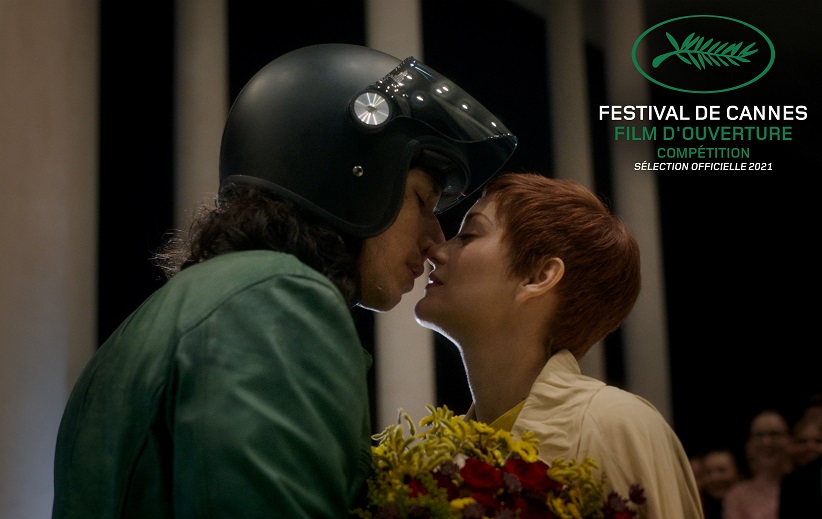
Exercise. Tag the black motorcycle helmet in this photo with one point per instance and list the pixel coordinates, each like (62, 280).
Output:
(335, 128)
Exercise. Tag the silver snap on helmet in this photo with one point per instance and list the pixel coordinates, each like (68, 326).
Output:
(335, 127)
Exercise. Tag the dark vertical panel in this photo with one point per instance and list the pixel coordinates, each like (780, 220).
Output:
(495, 50)
(136, 146)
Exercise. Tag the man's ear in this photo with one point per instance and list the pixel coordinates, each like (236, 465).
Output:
(544, 278)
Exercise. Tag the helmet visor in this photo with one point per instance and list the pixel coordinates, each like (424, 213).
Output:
(413, 92)
(416, 91)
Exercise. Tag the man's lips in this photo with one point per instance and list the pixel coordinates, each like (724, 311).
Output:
(434, 280)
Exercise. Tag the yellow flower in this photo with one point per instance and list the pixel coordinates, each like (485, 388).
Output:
(451, 467)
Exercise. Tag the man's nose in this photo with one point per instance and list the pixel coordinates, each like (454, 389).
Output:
(432, 236)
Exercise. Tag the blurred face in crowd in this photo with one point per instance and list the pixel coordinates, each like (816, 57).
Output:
(698, 468)
(720, 471)
(769, 442)
(806, 445)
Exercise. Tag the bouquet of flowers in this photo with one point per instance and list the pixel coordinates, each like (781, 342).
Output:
(455, 468)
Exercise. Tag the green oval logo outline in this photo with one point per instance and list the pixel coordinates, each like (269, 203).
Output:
(651, 29)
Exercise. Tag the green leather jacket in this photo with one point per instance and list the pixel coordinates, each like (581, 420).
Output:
(237, 390)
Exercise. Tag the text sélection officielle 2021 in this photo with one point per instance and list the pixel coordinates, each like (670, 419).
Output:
(741, 129)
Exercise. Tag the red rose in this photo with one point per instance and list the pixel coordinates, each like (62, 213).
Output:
(447, 483)
(480, 475)
(533, 476)
(487, 500)
(417, 488)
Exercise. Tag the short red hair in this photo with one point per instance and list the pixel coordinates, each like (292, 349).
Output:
(548, 217)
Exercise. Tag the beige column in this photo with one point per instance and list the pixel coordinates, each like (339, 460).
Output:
(201, 98)
(613, 26)
(48, 174)
(568, 98)
(635, 195)
(404, 350)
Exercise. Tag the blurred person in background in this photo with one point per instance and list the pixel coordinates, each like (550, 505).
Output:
(767, 455)
(697, 462)
(800, 494)
(720, 471)
(806, 440)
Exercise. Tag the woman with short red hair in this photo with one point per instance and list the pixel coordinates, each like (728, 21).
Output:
(538, 273)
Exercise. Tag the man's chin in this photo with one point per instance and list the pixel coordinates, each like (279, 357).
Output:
(381, 304)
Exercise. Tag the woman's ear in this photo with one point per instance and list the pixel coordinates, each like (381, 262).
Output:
(544, 278)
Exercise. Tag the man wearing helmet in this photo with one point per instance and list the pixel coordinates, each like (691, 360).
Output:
(239, 388)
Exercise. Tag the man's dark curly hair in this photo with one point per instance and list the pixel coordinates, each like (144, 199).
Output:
(248, 218)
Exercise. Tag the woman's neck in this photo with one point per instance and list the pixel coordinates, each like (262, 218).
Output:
(501, 371)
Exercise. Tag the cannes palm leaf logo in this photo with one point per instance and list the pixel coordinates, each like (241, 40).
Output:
(731, 63)
(696, 51)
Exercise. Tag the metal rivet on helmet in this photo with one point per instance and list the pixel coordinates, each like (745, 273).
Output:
(371, 109)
